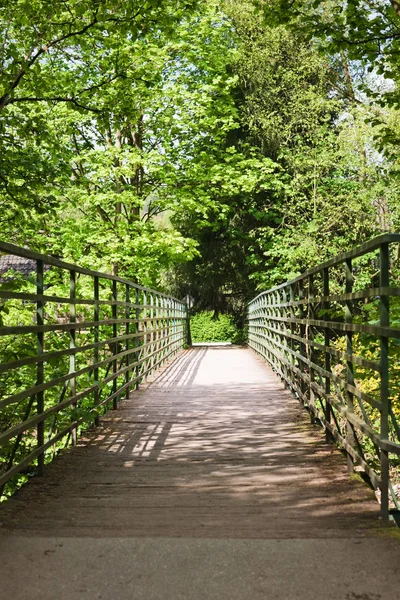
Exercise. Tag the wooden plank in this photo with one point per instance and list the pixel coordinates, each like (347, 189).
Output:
(215, 446)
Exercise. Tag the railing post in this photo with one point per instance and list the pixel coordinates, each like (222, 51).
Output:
(127, 342)
(156, 337)
(175, 325)
(96, 316)
(310, 349)
(303, 335)
(144, 364)
(169, 321)
(327, 337)
(278, 323)
(40, 365)
(268, 311)
(292, 327)
(151, 347)
(384, 369)
(284, 338)
(137, 340)
(349, 364)
(72, 345)
(115, 344)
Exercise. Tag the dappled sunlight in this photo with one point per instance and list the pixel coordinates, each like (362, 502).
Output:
(214, 447)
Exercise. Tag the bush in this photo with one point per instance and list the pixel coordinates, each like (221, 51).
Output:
(206, 327)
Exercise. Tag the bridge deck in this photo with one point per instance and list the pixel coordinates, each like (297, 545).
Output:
(214, 448)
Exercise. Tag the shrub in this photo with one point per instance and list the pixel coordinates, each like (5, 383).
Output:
(206, 327)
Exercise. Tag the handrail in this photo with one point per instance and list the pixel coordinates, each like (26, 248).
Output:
(332, 335)
(56, 262)
(361, 250)
(73, 342)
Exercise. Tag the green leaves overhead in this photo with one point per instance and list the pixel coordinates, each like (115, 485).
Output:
(111, 109)
(208, 144)
(67, 50)
(367, 31)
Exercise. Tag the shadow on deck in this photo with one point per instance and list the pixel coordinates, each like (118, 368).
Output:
(213, 447)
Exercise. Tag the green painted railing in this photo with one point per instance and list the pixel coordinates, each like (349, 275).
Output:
(333, 335)
(73, 342)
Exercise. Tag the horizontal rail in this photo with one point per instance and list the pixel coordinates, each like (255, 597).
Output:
(336, 348)
(69, 356)
(11, 249)
(368, 247)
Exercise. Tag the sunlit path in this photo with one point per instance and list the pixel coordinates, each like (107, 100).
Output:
(213, 459)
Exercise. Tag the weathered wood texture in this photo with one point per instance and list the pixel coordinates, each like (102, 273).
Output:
(214, 447)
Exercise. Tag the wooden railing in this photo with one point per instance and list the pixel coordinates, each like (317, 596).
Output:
(73, 342)
(333, 335)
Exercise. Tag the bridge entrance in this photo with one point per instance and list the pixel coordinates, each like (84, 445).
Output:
(197, 478)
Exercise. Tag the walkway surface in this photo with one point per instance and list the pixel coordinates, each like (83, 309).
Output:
(209, 483)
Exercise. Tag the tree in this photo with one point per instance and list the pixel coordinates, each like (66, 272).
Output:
(60, 53)
(125, 98)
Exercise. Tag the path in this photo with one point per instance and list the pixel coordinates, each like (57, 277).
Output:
(210, 483)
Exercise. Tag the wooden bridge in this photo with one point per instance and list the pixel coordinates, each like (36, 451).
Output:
(209, 481)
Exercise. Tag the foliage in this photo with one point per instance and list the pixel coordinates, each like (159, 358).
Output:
(327, 185)
(196, 139)
(208, 148)
(206, 326)
(366, 30)
(99, 124)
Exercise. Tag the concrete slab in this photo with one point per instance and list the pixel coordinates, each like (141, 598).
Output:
(194, 569)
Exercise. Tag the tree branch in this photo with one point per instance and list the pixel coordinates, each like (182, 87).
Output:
(4, 100)
(54, 99)
(396, 7)
(380, 38)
